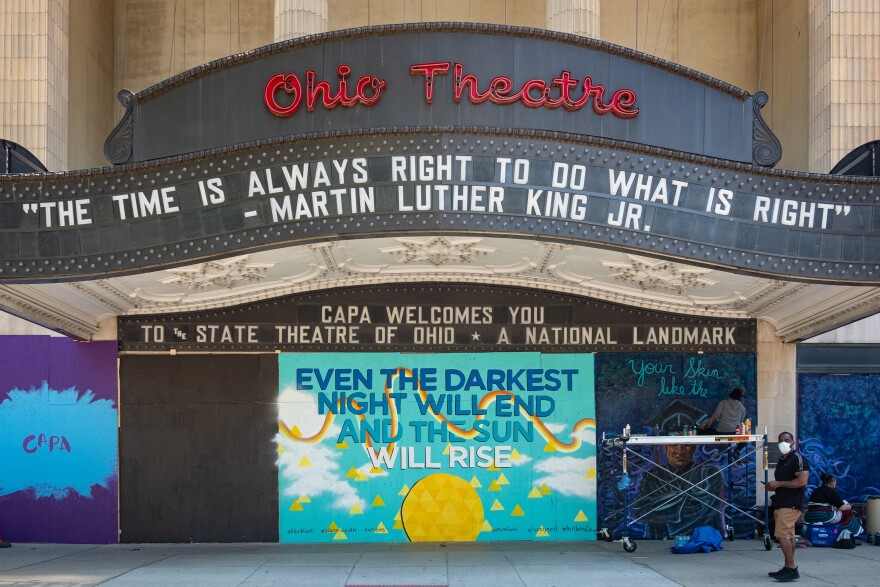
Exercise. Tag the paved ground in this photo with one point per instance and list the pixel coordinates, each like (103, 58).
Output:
(743, 563)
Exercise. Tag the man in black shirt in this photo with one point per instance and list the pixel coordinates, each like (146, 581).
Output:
(791, 476)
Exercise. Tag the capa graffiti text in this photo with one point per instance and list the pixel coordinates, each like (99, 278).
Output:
(35, 442)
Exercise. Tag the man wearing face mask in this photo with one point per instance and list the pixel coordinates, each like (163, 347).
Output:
(791, 476)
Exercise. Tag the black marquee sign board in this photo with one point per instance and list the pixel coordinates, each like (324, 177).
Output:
(446, 318)
(443, 75)
(561, 138)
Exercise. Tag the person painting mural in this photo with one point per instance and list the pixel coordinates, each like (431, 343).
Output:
(729, 414)
(790, 480)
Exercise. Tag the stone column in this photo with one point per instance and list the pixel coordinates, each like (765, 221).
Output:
(33, 80)
(844, 79)
(298, 18)
(777, 382)
(579, 17)
(777, 391)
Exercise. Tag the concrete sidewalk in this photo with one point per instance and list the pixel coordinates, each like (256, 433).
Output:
(506, 564)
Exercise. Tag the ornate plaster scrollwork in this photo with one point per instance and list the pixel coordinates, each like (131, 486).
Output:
(653, 275)
(437, 251)
(119, 145)
(766, 148)
(224, 274)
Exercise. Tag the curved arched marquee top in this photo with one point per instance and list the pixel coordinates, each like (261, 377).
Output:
(443, 74)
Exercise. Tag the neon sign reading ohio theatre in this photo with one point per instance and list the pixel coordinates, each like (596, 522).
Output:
(284, 93)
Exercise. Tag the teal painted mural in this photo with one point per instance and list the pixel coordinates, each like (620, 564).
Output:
(388, 447)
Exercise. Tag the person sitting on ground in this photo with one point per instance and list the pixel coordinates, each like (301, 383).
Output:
(729, 414)
(827, 507)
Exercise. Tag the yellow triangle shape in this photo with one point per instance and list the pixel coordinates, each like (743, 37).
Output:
(517, 511)
(493, 467)
(497, 506)
(549, 448)
(376, 471)
(296, 507)
(494, 486)
(378, 501)
(591, 473)
(333, 527)
(403, 490)
(280, 449)
(342, 445)
(446, 450)
(487, 527)
(352, 473)
(356, 509)
(545, 490)
(361, 476)
(340, 536)
(305, 462)
(502, 480)
(397, 526)
(542, 533)
(581, 517)
(534, 493)
(381, 529)
(295, 431)
(515, 456)
(304, 499)
(475, 482)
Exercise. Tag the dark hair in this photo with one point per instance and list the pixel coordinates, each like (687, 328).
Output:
(826, 478)
(737, 393)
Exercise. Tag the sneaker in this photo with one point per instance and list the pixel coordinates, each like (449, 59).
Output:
(779, 572)
(788, 575)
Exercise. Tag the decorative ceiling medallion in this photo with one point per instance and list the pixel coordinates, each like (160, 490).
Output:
(437, 251)
(223, 274)
(652, 275)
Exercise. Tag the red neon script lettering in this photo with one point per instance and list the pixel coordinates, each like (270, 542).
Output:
(534, 93)
(367, 91)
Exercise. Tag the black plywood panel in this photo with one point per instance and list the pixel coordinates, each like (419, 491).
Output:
(197, 451)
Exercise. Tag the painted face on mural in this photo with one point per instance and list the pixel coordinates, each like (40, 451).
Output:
(680, 456)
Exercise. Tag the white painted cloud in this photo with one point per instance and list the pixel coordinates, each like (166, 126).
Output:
(555, 428)
(299, 409)
(567, 476)
(322, 472)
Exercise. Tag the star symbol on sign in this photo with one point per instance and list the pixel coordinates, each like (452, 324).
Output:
(475, 336)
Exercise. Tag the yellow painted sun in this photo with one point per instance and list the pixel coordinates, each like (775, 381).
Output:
(442, 508)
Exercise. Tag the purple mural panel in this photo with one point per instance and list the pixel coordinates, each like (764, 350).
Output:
(58, 437)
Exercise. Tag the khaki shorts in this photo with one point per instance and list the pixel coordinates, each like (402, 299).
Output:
(785, 519)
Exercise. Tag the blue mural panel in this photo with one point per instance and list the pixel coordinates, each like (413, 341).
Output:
(837, 425)
(661, 393)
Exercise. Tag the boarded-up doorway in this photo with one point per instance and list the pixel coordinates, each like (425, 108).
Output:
(197, 450)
